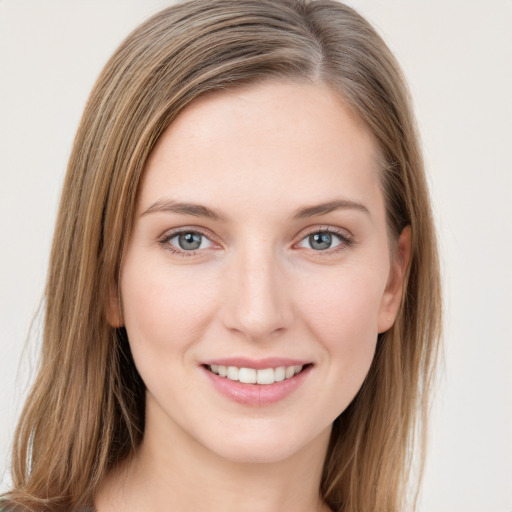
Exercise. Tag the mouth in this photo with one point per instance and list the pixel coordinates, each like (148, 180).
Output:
(261, 376)
(257, 382)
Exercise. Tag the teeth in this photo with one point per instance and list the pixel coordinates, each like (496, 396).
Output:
(233, 372)
(266, 376)
(247, 375)
(290, 372)
(280, 374)
(252, 376)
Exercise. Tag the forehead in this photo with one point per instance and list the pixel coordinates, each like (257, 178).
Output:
(270, 140)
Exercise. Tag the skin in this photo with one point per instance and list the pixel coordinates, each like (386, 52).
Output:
(257, 287)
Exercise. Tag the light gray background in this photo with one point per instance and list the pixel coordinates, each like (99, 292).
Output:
(457, 56)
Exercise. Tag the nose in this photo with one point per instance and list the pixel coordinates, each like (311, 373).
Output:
(258, 302)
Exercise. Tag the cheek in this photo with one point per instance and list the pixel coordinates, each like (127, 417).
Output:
(164, 310)
(343, 315)
(343, 319)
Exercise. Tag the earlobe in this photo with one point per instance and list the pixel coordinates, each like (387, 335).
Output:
(114, 309)
(392, 297)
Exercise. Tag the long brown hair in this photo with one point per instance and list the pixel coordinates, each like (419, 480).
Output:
(85, 412)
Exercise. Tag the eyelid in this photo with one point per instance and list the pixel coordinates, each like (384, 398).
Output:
(164, 240)
(346, 238)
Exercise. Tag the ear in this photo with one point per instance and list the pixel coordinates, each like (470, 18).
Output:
(397, 281)
(114, 309)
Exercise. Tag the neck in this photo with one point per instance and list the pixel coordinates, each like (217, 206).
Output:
(172, 471)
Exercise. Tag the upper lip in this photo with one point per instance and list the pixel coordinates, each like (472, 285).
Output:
(257, 364)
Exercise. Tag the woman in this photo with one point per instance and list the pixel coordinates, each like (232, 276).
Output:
(243, 303)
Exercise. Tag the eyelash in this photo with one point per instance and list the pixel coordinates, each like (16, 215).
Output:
(345, 240)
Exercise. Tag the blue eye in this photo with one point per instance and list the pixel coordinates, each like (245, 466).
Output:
(324, 240)
(188, 241)
(320, 241)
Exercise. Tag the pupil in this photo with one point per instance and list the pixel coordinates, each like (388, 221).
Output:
(190, 241)
(320, 241)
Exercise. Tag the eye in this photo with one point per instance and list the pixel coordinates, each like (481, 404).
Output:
(187, 241)
(325, 239)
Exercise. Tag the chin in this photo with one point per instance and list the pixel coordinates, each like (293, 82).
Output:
(269, 453)
(266, 444)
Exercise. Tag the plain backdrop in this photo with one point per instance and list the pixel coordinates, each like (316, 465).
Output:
(457, 57)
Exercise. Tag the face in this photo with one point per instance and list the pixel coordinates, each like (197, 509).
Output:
(259, 271)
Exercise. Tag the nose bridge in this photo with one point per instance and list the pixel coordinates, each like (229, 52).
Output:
(258, 304)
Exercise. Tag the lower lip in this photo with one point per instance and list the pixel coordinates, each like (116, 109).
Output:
(256, 395)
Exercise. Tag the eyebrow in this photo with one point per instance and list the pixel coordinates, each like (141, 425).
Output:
(328, 207)
(198, 210)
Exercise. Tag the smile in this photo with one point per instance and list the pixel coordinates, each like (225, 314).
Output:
(257, 383)
(255, 376)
